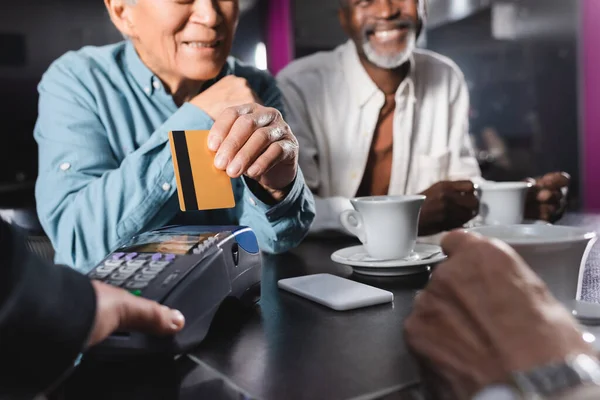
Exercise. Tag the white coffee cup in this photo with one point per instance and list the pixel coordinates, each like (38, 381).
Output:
(502, 203)
(557, 254)
(386, 225)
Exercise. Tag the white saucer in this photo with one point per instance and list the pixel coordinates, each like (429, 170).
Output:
(422, 255)
(477, 222)
(388, 272)
(586, 313)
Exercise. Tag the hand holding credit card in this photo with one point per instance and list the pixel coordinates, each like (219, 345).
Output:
(200, 185)
(250, 140)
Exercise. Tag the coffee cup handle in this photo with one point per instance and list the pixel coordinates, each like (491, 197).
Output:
(477, 193)
(353, 222)
(477, 190)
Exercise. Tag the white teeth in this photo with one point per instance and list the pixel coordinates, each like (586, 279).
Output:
(383, 35)
(201, 44)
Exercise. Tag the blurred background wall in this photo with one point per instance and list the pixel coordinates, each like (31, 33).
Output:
(521, 61)
(532, 108)
(589, 83)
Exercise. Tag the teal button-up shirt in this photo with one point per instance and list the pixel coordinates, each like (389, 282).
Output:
(105, 167)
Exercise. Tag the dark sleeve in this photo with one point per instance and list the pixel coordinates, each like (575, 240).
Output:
(46, 315)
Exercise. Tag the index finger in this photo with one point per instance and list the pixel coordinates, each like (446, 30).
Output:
(224, 123)
(555, 180)
(142, 315)
(549, 196)
(462, 186)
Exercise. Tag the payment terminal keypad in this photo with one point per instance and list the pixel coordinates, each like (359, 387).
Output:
(132, 271)
(136, 271)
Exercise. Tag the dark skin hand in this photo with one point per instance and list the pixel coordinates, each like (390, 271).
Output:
(448, 205)
(545, 201)
(483, 315)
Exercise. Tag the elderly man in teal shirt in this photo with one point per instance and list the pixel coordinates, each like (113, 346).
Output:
(105, 167)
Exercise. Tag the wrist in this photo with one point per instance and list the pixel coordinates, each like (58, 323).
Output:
(554, 379)
(279, 194)
(268, 195)
(427, 228)
(204, 107)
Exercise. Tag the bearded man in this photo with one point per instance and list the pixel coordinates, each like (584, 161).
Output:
(377, 116)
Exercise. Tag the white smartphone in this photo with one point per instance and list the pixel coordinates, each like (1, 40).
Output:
(338, 293)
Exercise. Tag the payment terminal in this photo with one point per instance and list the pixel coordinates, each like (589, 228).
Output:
(189, 268)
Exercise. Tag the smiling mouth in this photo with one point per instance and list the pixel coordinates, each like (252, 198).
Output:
(388, 33)
(203, 45)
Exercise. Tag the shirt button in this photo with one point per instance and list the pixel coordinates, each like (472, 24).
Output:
(354, 175)
(252, 201)
(166, 187)
(65, 166)
(156, 84)
(147, 90)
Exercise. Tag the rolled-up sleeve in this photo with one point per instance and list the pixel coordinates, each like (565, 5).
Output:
(87, 200)
(463, 163)
(284, 225)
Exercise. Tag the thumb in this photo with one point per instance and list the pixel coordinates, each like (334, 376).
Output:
(555, 180)
(544, 195)
(143, 315)
(452, 242)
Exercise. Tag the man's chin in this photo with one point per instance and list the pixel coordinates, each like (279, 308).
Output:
(390, 55)
(388, 51)
(204, 72)
(388, 61)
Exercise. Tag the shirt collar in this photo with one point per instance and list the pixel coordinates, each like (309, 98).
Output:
(140, 72)
(361, 83)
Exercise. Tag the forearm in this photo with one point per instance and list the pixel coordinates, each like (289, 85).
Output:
(45, 318)
(89, 223)
(87, 214)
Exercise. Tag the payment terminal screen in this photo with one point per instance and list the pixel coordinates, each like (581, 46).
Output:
(166, 243)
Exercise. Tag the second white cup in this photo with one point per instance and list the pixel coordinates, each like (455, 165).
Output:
(502, 203)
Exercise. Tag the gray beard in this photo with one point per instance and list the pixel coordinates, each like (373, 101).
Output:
(391, 61)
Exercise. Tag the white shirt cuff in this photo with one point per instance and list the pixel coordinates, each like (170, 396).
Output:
(497, 392)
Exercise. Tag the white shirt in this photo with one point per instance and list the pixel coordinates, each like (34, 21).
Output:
(333, 106)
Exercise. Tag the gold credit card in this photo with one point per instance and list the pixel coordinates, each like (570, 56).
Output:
(200, 185)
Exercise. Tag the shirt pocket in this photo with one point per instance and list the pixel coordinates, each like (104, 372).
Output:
(432, 168)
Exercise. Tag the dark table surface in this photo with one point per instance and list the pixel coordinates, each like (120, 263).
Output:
(289, 347)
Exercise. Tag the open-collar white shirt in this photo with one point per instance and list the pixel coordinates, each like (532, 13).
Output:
(333, 107)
